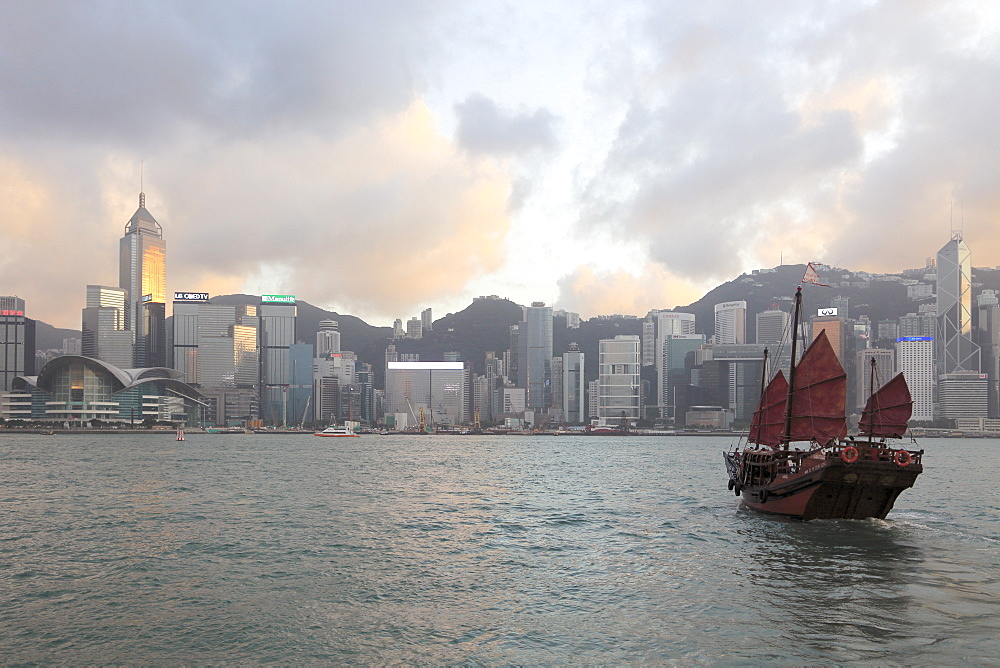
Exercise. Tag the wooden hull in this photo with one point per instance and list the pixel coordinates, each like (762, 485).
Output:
(822, 485)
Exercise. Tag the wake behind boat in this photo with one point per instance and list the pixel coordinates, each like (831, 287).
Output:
(335, 431)
(833, 477)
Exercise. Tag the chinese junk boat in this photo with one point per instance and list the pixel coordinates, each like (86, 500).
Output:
(831, 476)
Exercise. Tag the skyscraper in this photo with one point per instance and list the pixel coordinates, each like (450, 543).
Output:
(215, 347)
(915, 360)
(104, 333)
(573, 385)
(731, 322)
(535, 360)
(668, 325)
(771, 326)
(884, 365)
(142, 274)
(955, 348)
(17, 342)
(327, 338)
(989, 340)
(277, 333)
(619, 362)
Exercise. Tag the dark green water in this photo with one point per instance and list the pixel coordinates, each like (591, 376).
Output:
(504, 550)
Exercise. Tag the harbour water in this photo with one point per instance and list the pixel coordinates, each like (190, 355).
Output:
(483, 550)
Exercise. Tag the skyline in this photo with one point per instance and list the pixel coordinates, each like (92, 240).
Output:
(377, 160)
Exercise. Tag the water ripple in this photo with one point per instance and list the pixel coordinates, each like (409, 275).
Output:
(474, 551)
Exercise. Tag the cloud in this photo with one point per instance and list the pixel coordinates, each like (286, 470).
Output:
(484, 128)
(379, 156)
(812, 131)
(139, 73)
(287, 150)
(590, 293)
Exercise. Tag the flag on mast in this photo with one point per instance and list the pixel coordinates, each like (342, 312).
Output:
(812, 277)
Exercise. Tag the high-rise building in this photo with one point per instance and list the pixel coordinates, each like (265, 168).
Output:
(300, 389)
(842, 304)
(887, 330)
(17, 342)
(915, 360)
(494, 373)
(142, 274)
(557, 386)
(989, 341)
(885, 363)
(574, 385)
(731, 322)
(836, 331)
(327, 338)
(414, 328)
(619, 360)
(426, 320)
(277, 333)
(438, 388)
(744, 368)
(956, 349)
(215, 349)
(772, 326)
(104, 334)
(675, 350)
(593, 398)
(668, 324)
(512, 363)
(917, 324)
(963, 394)
(731, 329)
(648, 342)
(534, 362)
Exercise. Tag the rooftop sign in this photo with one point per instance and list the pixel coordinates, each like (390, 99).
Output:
(826, 312)
(914, 338)
(190, 296)
(277, 299)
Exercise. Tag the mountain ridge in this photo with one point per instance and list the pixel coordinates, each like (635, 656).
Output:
(484, 325)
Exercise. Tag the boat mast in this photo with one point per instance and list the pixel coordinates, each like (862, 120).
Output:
(760, 402)
(787, 435)
(871, 410)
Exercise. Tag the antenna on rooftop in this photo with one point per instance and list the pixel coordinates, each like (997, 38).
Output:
(142, 195)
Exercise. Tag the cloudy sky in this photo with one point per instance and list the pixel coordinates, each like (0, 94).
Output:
(377, 158)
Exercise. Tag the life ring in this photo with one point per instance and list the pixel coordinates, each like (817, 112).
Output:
(903, 458)
(849, 454)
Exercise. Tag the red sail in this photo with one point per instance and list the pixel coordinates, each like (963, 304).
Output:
(888, 410)
(819, 395)
(768, 421)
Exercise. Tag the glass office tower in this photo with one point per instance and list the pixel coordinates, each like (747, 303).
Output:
(142, 274)
(277, 334)
(17, 342)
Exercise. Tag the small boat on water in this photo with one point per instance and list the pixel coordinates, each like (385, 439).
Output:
(832, 476)
(334, 431)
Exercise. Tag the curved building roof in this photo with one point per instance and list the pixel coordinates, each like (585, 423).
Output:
(124, 378)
